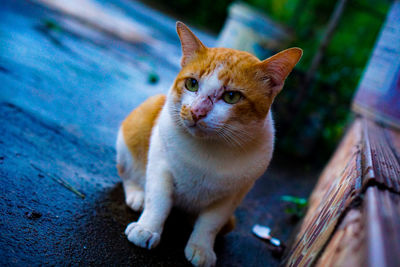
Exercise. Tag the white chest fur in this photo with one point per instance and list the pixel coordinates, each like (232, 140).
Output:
(204, 171)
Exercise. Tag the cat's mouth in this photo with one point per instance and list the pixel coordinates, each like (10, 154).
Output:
(198, 129)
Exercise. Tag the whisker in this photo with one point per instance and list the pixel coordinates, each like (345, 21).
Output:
(232, 137)
(231, 134)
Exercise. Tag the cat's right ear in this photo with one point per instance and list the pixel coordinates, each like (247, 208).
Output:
(191, 45)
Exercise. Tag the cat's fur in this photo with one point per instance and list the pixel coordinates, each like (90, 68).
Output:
(194, 151)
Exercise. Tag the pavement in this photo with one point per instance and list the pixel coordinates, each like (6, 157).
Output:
(66, 85)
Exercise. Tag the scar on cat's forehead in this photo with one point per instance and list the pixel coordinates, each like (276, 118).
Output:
(214, 72)
(212, 68)
(213, 75)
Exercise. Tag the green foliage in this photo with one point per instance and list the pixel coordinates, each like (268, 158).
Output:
(299, 201)
(208, 14)
(318, 122)
(295, 205)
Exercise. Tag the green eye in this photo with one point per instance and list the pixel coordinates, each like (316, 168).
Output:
(192, 85)
(231, 97)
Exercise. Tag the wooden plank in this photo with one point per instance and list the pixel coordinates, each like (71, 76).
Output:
(393, 137)
(381, 164)
(346, 248)
(369, 236)
(94, 14)
(348, 147)
(382, 217)
(339, 184)
(368, 154)
(378, 95)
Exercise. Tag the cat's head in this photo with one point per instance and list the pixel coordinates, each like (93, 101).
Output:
(225, 93)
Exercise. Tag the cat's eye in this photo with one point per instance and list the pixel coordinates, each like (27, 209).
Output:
(192, 84)
(231, 97)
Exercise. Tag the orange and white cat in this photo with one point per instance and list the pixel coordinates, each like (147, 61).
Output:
(203, 145)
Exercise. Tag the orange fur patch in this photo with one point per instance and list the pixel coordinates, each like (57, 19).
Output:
(137, 127)
(258, 82)
(238, 74)
(241, 71)
(185, 113)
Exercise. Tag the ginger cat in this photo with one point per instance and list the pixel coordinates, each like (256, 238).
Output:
(203, 145)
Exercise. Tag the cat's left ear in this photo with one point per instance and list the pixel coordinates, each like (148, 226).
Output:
(275, 69)
(191, 45)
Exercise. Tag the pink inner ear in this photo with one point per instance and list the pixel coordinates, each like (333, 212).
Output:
(277, 72)
(278, 67)
(190, 43)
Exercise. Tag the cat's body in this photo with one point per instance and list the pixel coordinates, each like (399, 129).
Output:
(201, 147)
(202, 170)
(205, 171)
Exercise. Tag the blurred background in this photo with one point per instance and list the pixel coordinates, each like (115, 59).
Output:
(71, 71)
(313, 110)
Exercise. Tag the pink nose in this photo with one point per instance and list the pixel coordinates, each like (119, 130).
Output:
(200, 108)
(198, 114)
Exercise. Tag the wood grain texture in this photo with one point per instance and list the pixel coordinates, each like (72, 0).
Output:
(378, 93)
(338, 185)
(381, 165)
(338, 231)
(369, 236)
(382, 218)
(394, 139)
(346, 248)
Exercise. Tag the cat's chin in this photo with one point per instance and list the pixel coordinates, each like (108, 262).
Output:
(198, 131)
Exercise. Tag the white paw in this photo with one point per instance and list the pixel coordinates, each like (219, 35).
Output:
(135, 200)
(200, 256)
(142, 237)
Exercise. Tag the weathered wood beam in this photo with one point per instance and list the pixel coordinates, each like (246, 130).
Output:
(338, 186)
(354, 211)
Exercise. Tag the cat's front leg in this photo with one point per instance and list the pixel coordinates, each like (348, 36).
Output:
(146, 232)
(200, 248)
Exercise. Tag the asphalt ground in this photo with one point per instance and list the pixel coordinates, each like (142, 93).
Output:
(65, 88)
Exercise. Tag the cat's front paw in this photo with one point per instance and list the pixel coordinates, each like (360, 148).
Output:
(135, 200)
(200, 256)
(140, 236)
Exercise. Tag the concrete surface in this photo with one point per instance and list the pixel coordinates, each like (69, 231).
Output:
(65, 87)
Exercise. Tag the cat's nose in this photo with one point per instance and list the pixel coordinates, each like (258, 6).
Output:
(198, 114)
(200, 108)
